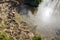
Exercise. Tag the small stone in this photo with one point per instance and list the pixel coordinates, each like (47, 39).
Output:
(8, 27)
(8, 31)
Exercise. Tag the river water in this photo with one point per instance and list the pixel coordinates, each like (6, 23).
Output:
(46, 21)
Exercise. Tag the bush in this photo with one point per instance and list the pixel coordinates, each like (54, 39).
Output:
(33, 3)
(37, 37)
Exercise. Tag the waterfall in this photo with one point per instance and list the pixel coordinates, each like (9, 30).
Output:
(46, 20)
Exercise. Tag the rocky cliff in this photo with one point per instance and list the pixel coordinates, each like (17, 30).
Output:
(12, 26)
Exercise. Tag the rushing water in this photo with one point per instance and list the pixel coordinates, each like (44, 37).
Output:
(46, 20)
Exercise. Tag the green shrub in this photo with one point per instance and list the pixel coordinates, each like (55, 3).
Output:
(33, 3)
(37, 37)
(3, 36)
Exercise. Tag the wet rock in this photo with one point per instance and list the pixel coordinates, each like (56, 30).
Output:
(58, 33)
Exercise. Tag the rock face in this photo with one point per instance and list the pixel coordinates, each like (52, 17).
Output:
(11, 23)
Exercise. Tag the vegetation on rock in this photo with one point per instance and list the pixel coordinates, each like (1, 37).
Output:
(33, 3)
(3, 36)
(37, 37)
(2, 27)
